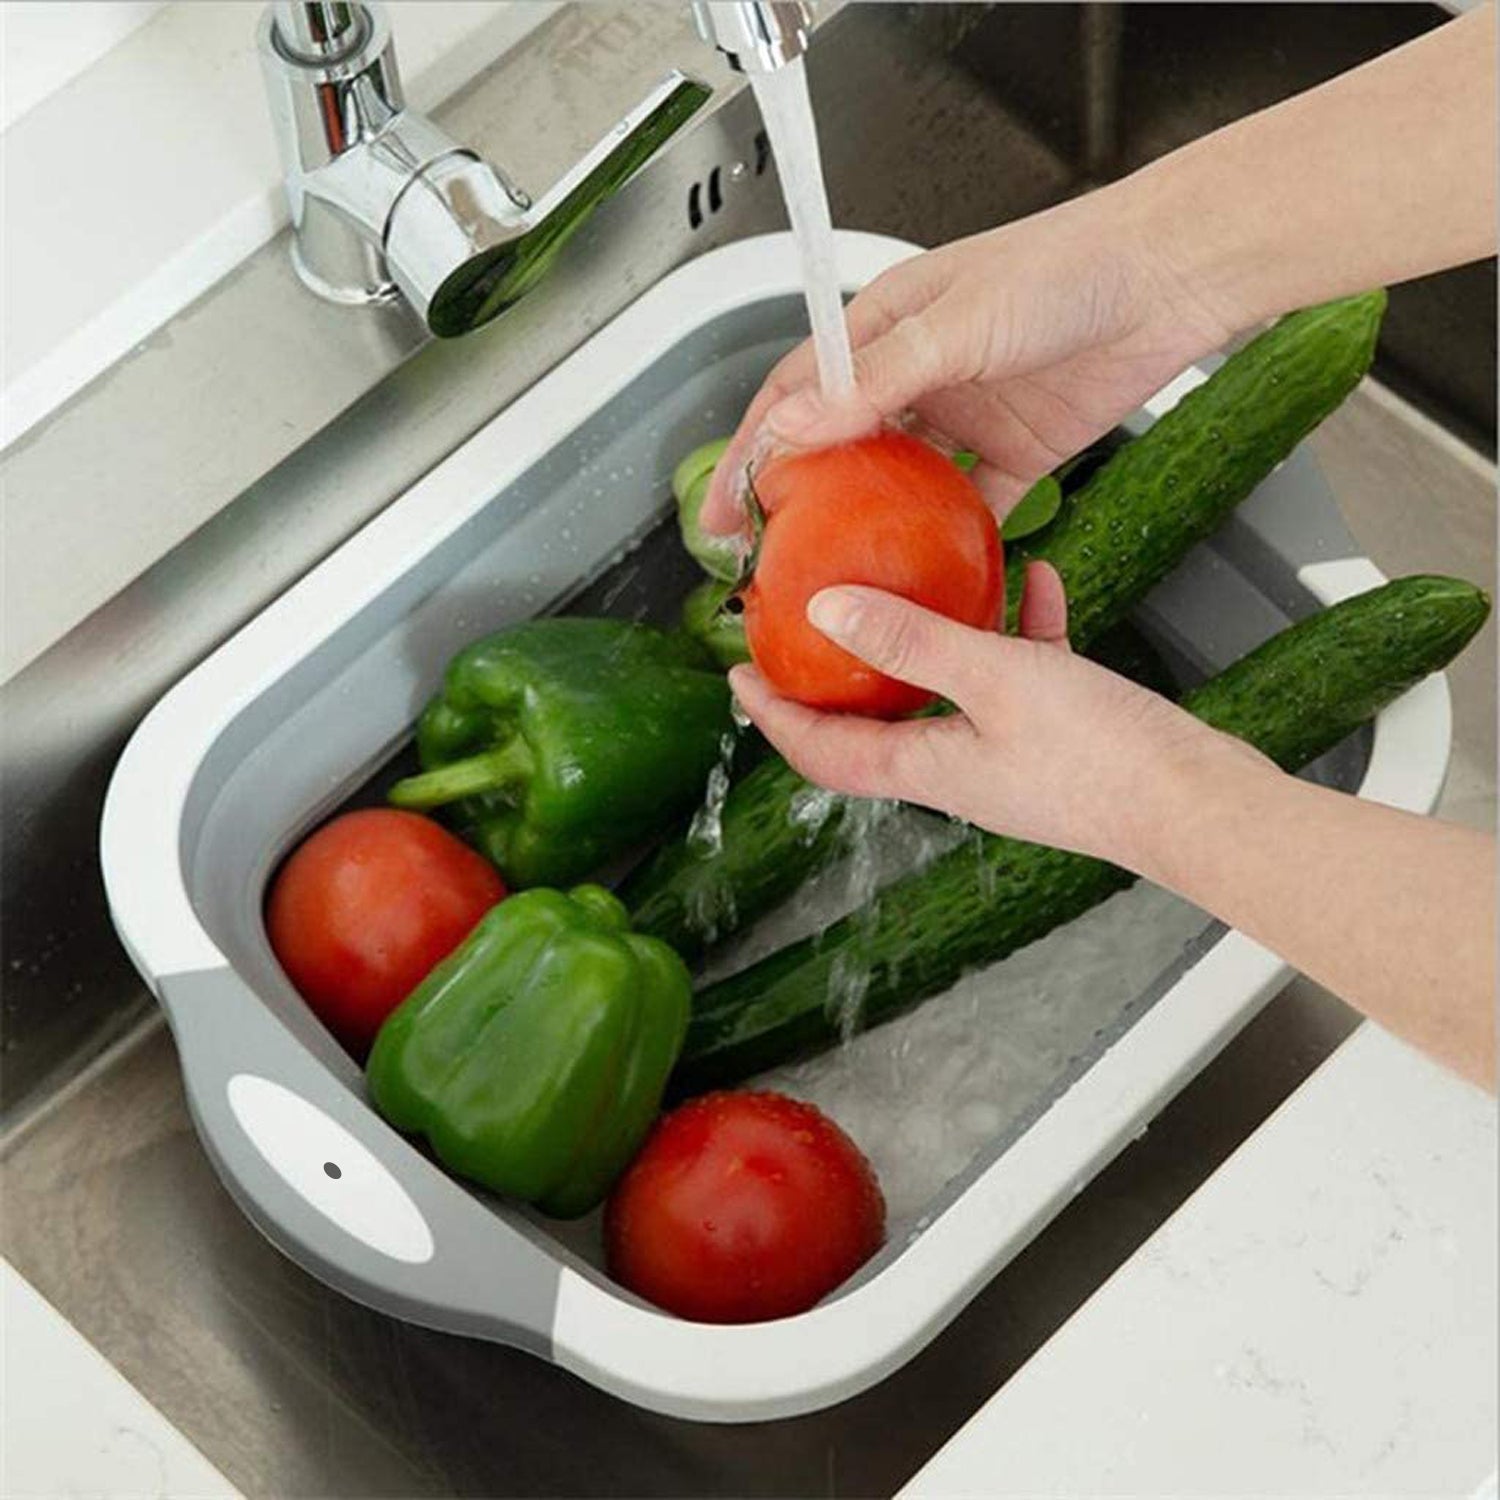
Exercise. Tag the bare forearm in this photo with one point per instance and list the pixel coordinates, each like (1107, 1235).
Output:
(1394, 913)
(1382, 174)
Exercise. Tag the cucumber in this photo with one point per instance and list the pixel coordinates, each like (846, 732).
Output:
(1175, 484)
(1113, 541)
(1294, 697)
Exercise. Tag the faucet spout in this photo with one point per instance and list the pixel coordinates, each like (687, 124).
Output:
(385, 204)
(757, 36)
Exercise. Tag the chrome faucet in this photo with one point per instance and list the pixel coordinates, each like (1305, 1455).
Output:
(384, 203)
(757, 36)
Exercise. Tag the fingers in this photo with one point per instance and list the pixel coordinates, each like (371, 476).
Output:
(921, 352)
(980, 417)
(723, 510)
(906, 641)
(1044, 606)
(894, 297)
(917, 761)
(871, 313)
(926, 760)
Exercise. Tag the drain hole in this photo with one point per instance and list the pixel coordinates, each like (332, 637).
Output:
(695, 210)
(333, 1169)
(715, 197)
(762, 151)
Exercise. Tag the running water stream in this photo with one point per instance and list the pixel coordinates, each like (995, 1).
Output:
(786, 109)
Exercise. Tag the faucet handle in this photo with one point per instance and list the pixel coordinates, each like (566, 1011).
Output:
(488, 282)
(456, 218)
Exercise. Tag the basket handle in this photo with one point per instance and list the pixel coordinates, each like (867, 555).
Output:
(330, 1184)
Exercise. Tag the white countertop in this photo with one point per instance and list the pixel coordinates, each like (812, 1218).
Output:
(1318, 1319)
(71, 1424)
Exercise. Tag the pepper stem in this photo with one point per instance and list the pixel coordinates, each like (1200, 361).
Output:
(489, 771)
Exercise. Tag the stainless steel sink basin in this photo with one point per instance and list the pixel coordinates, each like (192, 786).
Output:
(936, 120)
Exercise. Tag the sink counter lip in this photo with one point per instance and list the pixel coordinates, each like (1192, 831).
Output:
(720, 1374)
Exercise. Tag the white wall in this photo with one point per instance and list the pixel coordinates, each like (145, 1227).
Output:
(47, 43)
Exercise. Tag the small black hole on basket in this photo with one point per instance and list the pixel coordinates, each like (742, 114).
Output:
(333, 1169)
(695, 211)
(762, 151)
(715, 196)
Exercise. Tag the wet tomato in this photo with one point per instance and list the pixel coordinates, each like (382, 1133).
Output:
(366, 906)
(888, 511)
(743, 1206)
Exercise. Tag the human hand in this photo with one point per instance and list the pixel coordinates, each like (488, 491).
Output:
(1023, 344)
(1046, 746)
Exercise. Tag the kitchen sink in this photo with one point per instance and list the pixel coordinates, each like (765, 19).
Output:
(936, 120)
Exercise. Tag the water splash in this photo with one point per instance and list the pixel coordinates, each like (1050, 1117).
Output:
(863, 874)
(706, 831)
(710, 907)
(809, 810)
(711, 898)
(864, 823)
(786, 109)
(848, 984)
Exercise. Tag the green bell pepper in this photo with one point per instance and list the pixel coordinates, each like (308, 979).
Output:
(563, 742)
(532, 1059)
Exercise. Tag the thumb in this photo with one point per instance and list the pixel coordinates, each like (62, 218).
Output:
(906, 641)
(918, 354)
(1044, 606)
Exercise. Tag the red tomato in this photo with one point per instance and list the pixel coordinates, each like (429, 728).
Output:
(888, 511)
(743, 1206)
(366, 906)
